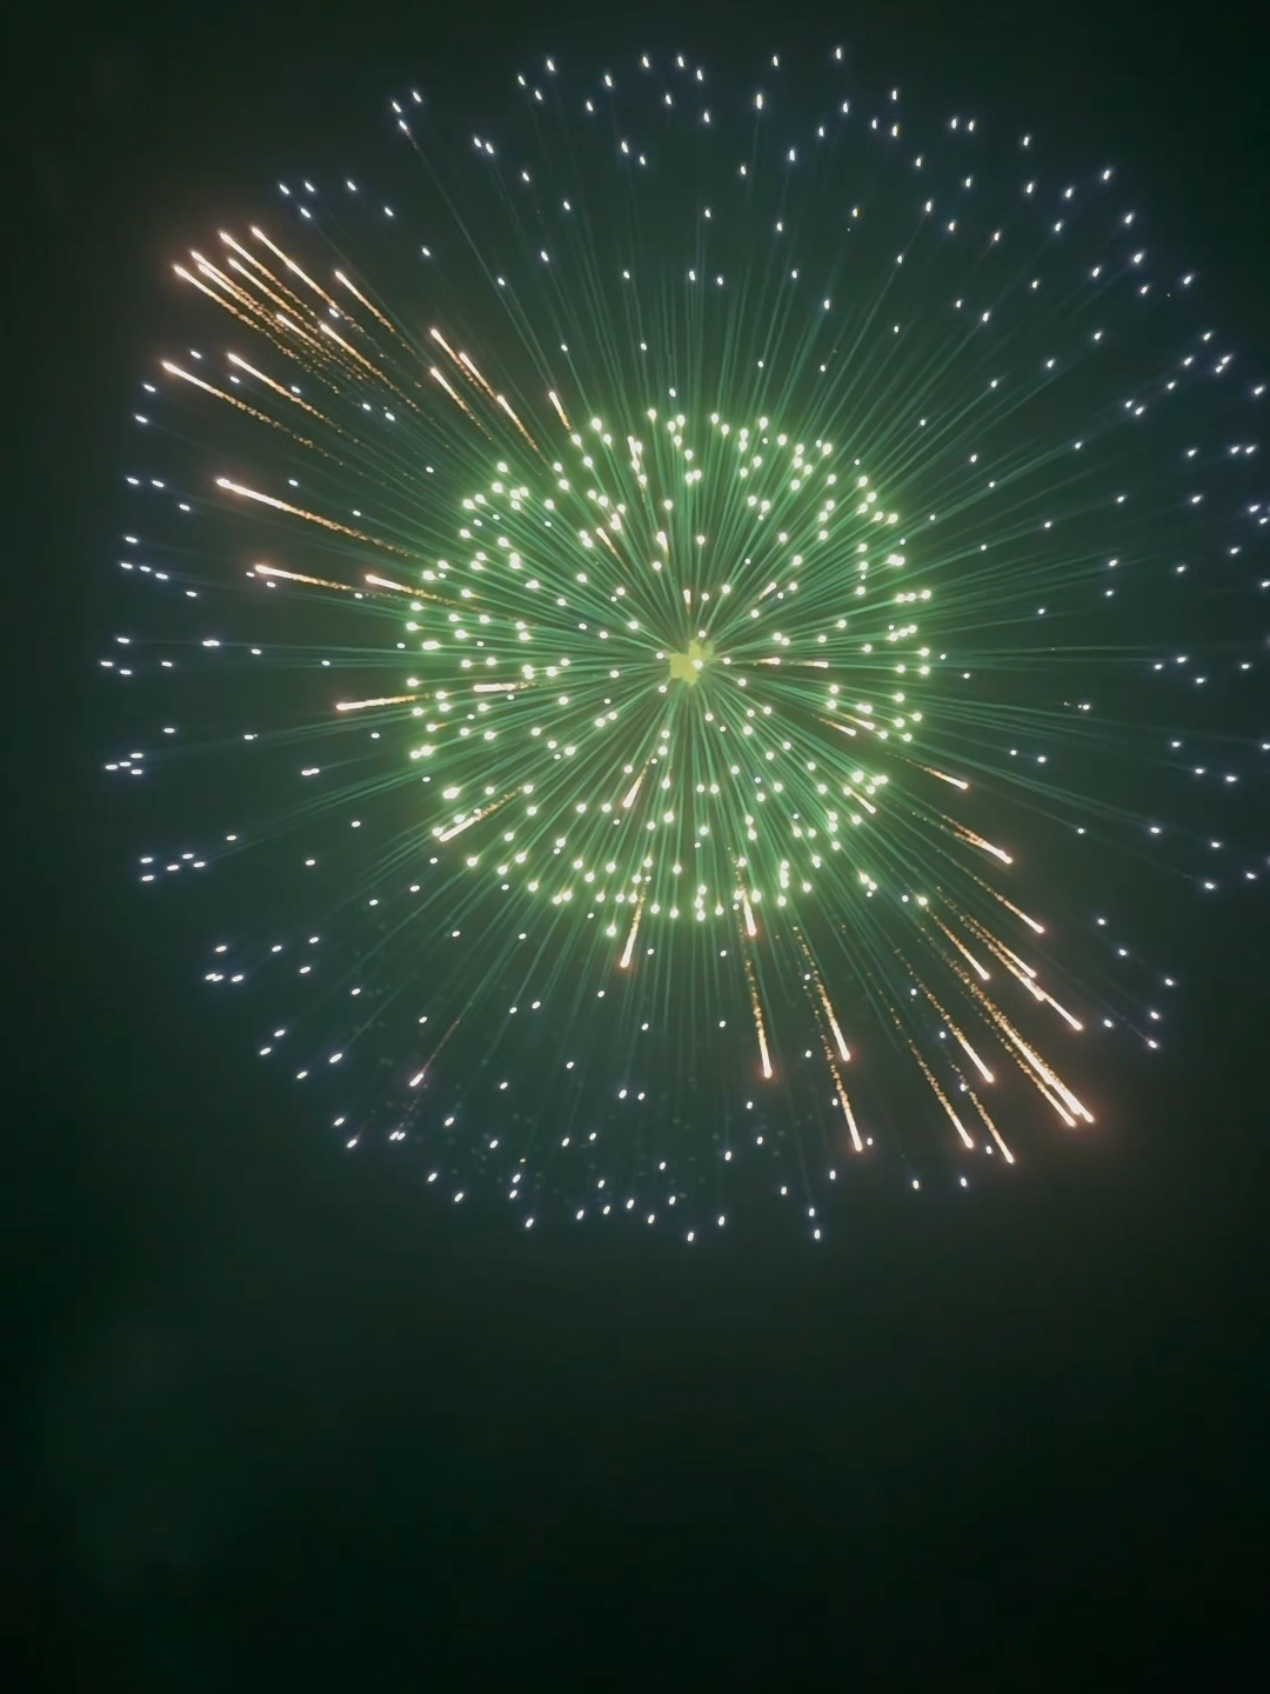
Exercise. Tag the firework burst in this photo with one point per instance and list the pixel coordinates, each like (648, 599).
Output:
(674, 569)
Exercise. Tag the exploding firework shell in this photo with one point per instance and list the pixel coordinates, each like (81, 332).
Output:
(676, 561)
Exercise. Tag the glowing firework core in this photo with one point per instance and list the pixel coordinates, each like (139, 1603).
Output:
(689, 665)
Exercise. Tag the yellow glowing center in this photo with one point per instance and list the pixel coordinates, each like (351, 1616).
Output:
(688, 666)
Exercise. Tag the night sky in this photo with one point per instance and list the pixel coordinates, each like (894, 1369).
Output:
(280, 1418)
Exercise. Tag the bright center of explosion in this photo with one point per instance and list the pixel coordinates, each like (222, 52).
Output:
(689, 665)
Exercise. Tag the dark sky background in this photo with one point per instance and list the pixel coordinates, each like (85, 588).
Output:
(279, 1420)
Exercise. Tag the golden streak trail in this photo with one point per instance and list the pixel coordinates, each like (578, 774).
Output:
(309, 517)
(366, 705)
(629, 949)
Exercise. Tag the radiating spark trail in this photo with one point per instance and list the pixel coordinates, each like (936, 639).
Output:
(439, 377)
(751, 928)
(467, 822)
(309, 517)
(1055, 1089)
(421, 1075)
(298, 576)
(258, 274)
(756, 1006)
(366, 705)
(233, 400)
(943, 776)
(823, 995)
(376, 581)
(370, 307)
(959, 1036)
(980, 970)
(243, 317)
(967, 1140)
(506, 407)
(366, 365)
(629, 948)
(969, 836)
(992, 1129)
(323, 296)
(844, 1102)
(1033, 925)
(470, 367)
(277, 388)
